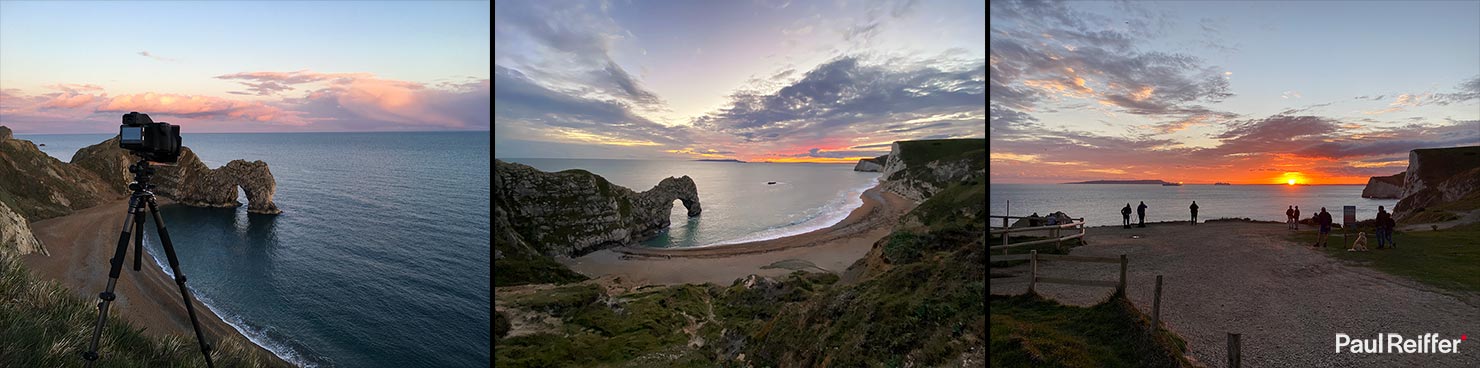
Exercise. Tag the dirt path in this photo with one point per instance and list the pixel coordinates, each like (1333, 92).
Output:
(1469, 217)
(1288, 301)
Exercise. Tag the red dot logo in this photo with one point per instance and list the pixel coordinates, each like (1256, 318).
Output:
(1463, 337)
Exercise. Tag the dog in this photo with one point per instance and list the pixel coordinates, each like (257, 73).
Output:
(1360, 245)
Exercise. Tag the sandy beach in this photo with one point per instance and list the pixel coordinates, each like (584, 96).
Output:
(831, 249)
(81, 245)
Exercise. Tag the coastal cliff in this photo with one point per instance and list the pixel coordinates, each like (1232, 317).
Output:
(574, 212)
(1437, 176)
(875, 164)
(1387, 187)
(38, 186)
(189, 181)
(918, 169)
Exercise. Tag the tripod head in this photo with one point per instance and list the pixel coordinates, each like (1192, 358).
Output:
(142, 173)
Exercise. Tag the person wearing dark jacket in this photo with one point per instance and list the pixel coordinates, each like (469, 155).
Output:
(1141, 212)
(1297, 217)
(1290, 217)
(1384, 228)
(1324, 220)
(1125, 215)
(1193, 207)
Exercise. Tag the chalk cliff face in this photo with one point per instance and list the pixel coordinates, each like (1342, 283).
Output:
(1437, 176)
(574, 212)
(189, 181)
(15, 233)
(918, 169)
(875, 164)
(1384, 187)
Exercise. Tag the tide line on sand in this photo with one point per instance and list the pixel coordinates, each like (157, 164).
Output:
(834, 212)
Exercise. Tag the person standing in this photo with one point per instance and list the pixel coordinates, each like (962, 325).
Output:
(1125, 214)
(1297, 217)
(1290, 217)
(1382, 217)
(1324, 220)
(1141, 213)
(1385, 221)
(1193, 207)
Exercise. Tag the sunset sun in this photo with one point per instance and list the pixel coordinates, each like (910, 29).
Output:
(1292, 181)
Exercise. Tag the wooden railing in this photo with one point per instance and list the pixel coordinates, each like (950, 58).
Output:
(1054, 230)
(1033, 279)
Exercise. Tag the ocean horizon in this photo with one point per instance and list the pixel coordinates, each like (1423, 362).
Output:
(378, 260)
(1100, 204)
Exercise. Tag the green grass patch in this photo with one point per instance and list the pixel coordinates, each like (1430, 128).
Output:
(1029, 331)
(1446, 258)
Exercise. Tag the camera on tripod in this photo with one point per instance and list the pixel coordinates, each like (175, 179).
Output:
(158, 142)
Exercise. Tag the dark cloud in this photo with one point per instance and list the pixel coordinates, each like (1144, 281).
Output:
(576, 35)
(819, 153)
(847, 93)
(518, 98)
(1055, 52)
(1467, 90)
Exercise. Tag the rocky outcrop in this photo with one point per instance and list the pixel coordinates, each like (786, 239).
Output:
(918, 169)
(5, 133)
(1437, 176)
(1389, 187)
(15, 233)
(189, 181)
(573, 212)
(875, 164)
(38, 186)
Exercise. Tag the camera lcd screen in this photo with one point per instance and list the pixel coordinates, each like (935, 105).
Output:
(131, 135)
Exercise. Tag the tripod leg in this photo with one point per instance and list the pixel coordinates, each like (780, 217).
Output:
(138, 239)
(135, 208)
(169, 251)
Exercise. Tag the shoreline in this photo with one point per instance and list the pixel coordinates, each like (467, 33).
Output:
(80, 250)
(831, 249)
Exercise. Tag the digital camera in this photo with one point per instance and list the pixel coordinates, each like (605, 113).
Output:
(158, 142)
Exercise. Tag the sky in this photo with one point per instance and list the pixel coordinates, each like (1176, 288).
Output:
(754, 80)
(260, 66)
(1246, 92)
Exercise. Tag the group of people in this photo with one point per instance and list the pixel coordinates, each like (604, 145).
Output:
(1385, 225)
(1125, 214)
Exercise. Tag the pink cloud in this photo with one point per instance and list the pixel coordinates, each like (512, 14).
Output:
(200, 107)
(69, 101)
(362, 96)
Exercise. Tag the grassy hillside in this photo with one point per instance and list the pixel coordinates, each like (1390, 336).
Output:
(44, 325)
(923, 151)
(1030, 331)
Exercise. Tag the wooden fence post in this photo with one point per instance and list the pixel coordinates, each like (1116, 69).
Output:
(1033, 279)
(1121, 288)
(1156, 306)
(1233, 350)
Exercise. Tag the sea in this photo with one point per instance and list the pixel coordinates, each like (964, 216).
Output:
(380, 258)
(739, 202)
(1100, 204)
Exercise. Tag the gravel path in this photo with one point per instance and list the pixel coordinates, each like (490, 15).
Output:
(1288, 301)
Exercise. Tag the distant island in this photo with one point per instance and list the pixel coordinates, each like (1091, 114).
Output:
(1122, 182)
(720, 160)
(1221, 183)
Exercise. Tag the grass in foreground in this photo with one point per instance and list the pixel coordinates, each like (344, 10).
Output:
(44, 325)
(1448, 258)
(1030, 331)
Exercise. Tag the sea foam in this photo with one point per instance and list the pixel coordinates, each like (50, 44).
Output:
(832, 213)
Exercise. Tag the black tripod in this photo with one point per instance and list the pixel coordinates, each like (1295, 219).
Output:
(142, 194)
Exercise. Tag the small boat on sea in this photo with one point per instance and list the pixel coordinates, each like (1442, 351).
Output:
(1222, 184)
